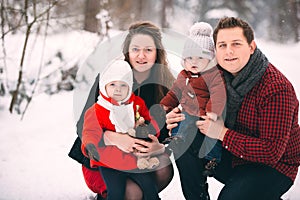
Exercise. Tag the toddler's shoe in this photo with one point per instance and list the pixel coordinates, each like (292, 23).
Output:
(210, 168)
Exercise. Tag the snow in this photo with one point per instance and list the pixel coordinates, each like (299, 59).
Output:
(33, 151)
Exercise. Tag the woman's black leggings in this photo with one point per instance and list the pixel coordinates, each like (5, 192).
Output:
(116, 183)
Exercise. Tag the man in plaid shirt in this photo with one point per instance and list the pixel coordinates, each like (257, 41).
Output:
(260, 133)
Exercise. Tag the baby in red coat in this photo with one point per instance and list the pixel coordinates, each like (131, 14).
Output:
(116, 110)
(119, 110)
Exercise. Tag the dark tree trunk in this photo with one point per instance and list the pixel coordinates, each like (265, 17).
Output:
(92, 8)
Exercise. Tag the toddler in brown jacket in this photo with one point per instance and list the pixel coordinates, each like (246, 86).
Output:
(198, 91)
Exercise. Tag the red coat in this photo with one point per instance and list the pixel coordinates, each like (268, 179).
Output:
(204, 92)
(96, 121)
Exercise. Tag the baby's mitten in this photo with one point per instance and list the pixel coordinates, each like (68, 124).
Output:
(92, 152)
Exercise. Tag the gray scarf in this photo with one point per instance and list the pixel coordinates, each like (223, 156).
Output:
(237, 87)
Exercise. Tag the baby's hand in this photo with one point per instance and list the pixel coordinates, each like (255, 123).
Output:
(140, 121)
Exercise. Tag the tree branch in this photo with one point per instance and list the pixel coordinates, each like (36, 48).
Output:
(28, 31)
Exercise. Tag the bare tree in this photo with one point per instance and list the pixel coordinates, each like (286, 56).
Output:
(92, 8)
(122, 14)
(36, 17)
(166, 5)
(2, 68)
(294, 5)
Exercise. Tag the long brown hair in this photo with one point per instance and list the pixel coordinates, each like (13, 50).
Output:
(160, 72)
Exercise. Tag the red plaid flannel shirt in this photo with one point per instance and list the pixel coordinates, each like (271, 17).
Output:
(267, 129)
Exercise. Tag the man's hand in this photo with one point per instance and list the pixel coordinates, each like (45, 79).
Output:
(212, 129)
(92, 152)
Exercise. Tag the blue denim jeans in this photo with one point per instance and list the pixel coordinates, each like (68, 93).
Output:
(211, 148)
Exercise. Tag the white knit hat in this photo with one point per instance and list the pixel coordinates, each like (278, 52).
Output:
(118, 70)
(200, 42)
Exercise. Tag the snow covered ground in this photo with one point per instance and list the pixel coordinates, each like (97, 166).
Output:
(33, 151)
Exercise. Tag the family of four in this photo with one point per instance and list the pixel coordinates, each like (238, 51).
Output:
(229, 114)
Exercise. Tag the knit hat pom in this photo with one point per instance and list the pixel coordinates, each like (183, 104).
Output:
(200, 42)
(201, 28)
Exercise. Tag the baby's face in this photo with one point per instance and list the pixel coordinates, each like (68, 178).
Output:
(117, 90)
(195, 64)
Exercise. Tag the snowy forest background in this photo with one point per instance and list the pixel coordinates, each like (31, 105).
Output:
(38, 20)
(45, 42)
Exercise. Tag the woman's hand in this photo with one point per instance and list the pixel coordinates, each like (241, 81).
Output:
(129, 144)
(212, 129)
(123, 141)
(173, 117)
(145, 148)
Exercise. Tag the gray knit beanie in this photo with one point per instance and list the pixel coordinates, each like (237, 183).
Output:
(200, 42)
